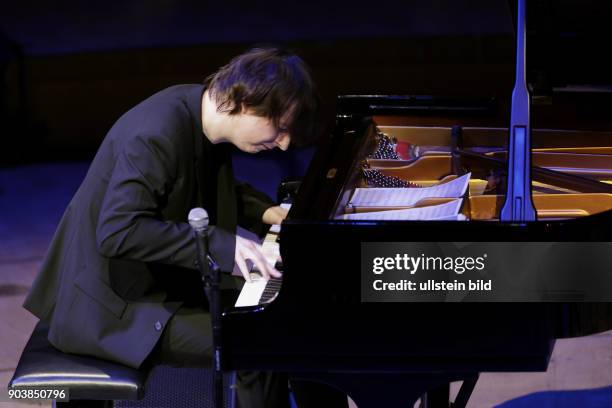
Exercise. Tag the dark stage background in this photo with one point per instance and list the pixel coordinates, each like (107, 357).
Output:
(70, 68)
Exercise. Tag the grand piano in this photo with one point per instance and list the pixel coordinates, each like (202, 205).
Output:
(390, 354)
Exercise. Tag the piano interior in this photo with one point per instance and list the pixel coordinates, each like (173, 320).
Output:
(571, 169)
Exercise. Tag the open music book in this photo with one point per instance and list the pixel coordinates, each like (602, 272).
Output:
(407, 197)
(395, 197)
(442, 212)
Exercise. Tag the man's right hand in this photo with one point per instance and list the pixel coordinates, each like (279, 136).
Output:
(251, 250)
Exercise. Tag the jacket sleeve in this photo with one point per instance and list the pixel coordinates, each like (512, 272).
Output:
(129, 224)
(252, 204)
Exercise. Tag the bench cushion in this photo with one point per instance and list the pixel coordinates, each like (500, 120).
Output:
(86, 378)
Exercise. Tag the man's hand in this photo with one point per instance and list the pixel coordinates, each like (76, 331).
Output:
(274, 215)
(247, 249)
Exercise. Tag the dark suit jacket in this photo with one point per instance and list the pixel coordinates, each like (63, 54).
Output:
(123, 252)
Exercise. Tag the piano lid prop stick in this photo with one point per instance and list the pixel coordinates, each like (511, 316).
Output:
(519, 206)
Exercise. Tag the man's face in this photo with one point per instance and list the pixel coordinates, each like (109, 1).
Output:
(252, 133)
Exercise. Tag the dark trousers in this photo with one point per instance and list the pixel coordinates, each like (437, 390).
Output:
(187, 342)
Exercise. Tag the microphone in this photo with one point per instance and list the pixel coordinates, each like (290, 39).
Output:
(198, 219)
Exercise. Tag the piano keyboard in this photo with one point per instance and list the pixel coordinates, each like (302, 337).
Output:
(260, 291)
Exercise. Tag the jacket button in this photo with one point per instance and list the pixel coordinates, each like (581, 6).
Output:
(158, 325)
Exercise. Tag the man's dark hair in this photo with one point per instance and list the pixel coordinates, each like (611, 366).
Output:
(269, 82)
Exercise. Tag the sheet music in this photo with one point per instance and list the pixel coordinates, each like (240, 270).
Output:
(441, 212)
(393, 197)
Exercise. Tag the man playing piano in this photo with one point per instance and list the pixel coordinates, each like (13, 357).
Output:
(119, 279)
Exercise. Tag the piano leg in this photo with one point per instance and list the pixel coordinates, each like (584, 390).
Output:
(440, 396)
(437, 397)
(465, 391)
(394, 390)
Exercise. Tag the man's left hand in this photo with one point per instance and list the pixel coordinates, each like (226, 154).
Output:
(274, 215)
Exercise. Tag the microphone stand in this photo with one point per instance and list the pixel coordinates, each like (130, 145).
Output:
(211, 277)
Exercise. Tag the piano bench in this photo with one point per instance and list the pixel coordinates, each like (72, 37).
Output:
(90, 382)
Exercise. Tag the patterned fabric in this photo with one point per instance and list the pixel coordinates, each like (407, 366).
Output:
(375, 178)
(385, 149)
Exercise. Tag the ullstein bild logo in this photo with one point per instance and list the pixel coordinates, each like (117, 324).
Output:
(412, 264)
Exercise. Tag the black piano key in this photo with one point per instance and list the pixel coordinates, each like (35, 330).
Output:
(271, 289)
